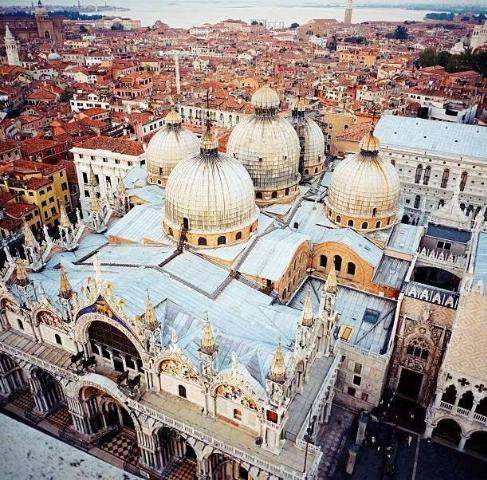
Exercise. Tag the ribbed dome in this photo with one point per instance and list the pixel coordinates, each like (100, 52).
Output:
(311, 139)
(265, 97)
(364, 189)
(213, 195)
(268, 147)
(168, 146)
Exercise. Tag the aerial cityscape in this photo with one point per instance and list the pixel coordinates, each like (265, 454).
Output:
(243, 240)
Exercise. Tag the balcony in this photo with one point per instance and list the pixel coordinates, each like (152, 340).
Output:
(464, 412)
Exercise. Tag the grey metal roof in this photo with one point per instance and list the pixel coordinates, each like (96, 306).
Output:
(351, 305)
(431, 136)
(391, 272)
(480, 264)
(405, 238)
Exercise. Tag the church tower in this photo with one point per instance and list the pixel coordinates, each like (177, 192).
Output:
(348, 13)
(11, 48)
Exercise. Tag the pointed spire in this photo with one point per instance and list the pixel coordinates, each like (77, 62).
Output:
(8, 33)
(65, 290)
(277, 372)
(94, 201)
(208, 344)
(20, 273)
(307, 314)
(29, 239)
(331, 282)
(121, 187)
(63, 217)
(92, 177)
(150, 314)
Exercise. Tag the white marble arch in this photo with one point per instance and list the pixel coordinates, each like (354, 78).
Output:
(83, 322)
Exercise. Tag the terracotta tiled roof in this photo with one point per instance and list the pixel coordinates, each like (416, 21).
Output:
(118, 145)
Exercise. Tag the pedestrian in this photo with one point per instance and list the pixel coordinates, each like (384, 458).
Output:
(410, 439)
(372, 440)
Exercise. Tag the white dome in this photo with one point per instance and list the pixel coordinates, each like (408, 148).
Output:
(312, 143)
(268, 147)
(212, 191)
(169, 146)
(265, 97)
(364, 186)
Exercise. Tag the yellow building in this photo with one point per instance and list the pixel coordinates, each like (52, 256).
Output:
(43, 185)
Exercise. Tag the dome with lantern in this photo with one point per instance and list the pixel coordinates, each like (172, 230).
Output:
(268, 147)
(364, 189)
(210, 198)
(169, 146)
(311, 139)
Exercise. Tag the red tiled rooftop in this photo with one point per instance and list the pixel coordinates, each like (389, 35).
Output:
(117, 145)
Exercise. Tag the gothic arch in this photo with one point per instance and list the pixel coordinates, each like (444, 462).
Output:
(180, 359)
(245, 392)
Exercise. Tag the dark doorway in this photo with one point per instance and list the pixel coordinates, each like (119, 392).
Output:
(477, 443)
(127, 419)
(449, 430)
(410, 383)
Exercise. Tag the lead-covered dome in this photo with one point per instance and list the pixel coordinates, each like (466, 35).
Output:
(169, 146)
(364, 189)
(210, 197)
(311, 140)
(268, 147)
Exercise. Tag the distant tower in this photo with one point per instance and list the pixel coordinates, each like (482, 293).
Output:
(11, 47)
(178, 77)
(348, 13)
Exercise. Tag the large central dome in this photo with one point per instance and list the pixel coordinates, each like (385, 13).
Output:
(364, 190)
(169, 146)
(268, 147)
(210, 197)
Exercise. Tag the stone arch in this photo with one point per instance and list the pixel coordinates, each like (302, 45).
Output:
(48, 316)
(477, 442)
(84, 321)
(449, 430)
(46, 389)
(450, 394)
(223, 467)
(232, 390)
(11, 375)
(178, 366)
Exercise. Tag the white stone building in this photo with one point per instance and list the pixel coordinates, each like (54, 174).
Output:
(433, 159)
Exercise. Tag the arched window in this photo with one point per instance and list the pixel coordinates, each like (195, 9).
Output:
(365, 225)
(185, 223)
(338, 263)
(323, 261)
(427, 175)
(444, 178)
(221, 240)
(463, 181)
(419, 172)
(338, 219)
(171, 232)
(296, 225)
(182, 391)
(284, 293)
(350, 223)
(20, 324)
(258, 195)
(351, 268)
(286, 192)
(202, 241)
(466, 401)
(441, 203)
(378, 224)
(57, 337)
(450, 395)
(374, 211)
(418, 348)
(274, 194)
(417, 201)
(237, 414)
(238, 236)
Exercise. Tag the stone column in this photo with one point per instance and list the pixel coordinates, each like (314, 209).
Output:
(428, 431)
(352, 457)
(461, 445)
(203, 469)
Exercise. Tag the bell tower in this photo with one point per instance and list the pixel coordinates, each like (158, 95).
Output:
(11, 48)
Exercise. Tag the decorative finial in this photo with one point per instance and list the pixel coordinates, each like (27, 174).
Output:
(331, 283)
(234, 364)
(20, 273)
(29, 239)
(307, 315)
(277, 372)
(63, 217)
(150, 314)
(65, 290)
(208, 344)
(174, 338)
